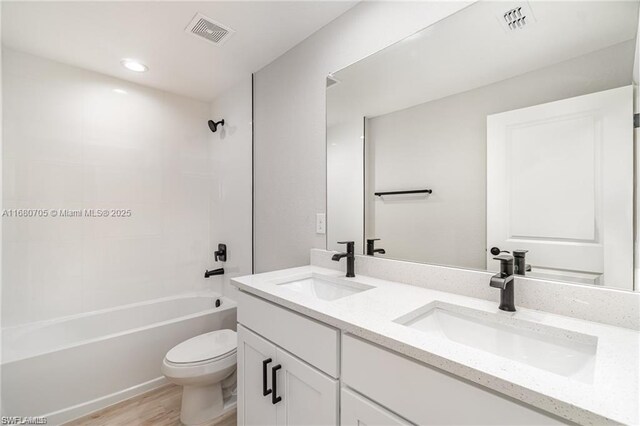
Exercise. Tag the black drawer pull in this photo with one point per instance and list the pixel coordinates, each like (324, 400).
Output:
(274, 382)
(265, 391)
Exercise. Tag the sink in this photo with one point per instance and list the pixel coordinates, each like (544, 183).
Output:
(556, 350)
(322, 287)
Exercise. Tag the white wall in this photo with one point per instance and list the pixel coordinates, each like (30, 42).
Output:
(289, 107)
(442, 145)
(231, 187)
(71, 142)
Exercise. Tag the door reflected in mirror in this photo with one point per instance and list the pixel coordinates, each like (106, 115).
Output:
(451, 149)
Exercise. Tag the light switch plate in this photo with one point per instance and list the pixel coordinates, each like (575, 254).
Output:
(321, 223)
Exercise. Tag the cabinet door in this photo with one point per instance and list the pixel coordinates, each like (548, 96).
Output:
(356, 410)
(309, 397)
(254, 352)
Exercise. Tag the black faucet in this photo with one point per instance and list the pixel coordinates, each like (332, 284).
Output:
(520, 266)
(371, 247)
(219, 271)
(504, 281)
(350, 255)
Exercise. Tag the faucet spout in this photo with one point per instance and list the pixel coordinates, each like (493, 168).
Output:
(339, 256)
(371, 247)
(500, 281)
(212, 272)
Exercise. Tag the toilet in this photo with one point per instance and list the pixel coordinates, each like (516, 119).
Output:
(205, 366)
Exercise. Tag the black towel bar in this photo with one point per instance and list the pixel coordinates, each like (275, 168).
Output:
(414, 191)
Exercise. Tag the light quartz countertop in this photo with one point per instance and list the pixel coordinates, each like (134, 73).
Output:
(612, 396)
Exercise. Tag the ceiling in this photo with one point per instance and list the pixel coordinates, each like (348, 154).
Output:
(472, 49)
(97, 35)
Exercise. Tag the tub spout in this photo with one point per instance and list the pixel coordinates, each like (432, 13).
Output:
(219, 271)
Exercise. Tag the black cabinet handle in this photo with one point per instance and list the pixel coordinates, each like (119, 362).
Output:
(265, 391)
(274, 382)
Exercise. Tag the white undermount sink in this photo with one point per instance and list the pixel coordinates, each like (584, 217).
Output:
(556, 350)
(322, 287)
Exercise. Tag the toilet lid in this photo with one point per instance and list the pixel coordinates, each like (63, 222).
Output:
(205, 347)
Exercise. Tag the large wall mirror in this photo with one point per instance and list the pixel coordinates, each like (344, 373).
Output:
(507, 126)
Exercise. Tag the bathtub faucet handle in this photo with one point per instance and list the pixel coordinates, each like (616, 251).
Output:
(221, 253)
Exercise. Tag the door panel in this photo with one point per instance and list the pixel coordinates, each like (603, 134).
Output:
(560, 185)
(253, 407)
(309, 397)
(564, 163)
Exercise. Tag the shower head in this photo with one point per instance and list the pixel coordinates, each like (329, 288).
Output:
(214, 125)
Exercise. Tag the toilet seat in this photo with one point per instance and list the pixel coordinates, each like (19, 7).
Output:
(205, 348)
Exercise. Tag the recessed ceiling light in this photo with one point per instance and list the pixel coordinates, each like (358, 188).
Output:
(133, 65)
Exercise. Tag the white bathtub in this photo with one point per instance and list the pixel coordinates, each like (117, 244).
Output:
(69, 367)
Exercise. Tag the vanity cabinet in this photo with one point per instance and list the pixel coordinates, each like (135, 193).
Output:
(276, 387)
(293, 370)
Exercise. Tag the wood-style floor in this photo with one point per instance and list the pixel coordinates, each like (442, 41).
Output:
(159, 407)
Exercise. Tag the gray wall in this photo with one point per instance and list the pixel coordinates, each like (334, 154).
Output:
(289, 123)
(442, 144)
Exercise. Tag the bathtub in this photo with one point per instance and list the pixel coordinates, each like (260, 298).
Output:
(66, 368)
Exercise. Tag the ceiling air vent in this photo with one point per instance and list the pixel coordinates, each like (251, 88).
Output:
(208, 29)
(517, 18)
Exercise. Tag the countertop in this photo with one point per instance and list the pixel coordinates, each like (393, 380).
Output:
(611, 396)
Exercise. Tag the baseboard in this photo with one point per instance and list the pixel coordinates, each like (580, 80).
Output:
(76, 411)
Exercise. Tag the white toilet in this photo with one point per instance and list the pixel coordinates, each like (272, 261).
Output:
(206, 368)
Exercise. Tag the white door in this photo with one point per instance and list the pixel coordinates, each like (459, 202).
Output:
(560, 185)
(254, 353)
(309, 397)
(356, 410)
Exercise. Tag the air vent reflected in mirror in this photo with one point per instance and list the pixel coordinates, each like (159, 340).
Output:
(517, 18)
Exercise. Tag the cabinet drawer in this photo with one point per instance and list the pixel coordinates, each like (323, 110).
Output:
(425, 395)
(316, 343)
(356, 410)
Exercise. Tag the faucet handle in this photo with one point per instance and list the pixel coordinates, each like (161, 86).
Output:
(520, 253)
(350, 246)
(503, 258)
(506, 265)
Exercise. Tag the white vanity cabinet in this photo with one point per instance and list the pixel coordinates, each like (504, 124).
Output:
(276, 387)
(293, 370)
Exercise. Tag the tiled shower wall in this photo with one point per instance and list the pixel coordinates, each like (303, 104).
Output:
(75, 139)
